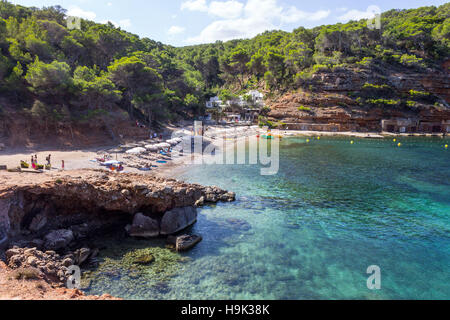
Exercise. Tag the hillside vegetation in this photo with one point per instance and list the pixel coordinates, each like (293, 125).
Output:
(51, 73)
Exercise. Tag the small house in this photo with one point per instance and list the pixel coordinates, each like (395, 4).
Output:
(214, 102)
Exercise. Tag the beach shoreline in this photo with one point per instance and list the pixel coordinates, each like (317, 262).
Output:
(77, 159)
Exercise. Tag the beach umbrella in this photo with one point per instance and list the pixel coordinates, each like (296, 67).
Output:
(165, 145)
(152, 147)
(112, 163)
(137, 150)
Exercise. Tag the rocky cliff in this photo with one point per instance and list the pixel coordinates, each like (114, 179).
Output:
(21, 129)
(359, 99)
(95, 198)
(45, 218)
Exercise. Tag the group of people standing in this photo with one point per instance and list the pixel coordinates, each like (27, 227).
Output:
(34, 162)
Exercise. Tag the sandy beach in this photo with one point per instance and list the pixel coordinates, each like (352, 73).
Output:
(86, 158)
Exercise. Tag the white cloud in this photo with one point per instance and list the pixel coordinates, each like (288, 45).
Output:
(293, 15)
(75, 11)
(176, 30)
(359, 15)
(224, 9)
(228, 9)
(247, 21)
(126, 23)
(194, 5)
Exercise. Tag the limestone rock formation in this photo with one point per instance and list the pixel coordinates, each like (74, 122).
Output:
(49, 265)
(84, 202)
(187, 242)
(144, 227)
(58, 239)
(178, 219)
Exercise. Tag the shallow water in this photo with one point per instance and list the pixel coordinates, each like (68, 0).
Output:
(312, 230)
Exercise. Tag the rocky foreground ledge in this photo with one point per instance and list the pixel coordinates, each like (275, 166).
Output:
(46, 220)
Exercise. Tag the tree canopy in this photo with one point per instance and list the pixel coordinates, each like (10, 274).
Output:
(100, 66)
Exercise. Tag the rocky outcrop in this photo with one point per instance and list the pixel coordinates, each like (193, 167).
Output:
(171, 222)
(14, 287)
(184, 242)
(58, 239)
(177, 220)
(48, 265)
(144, 227)
(335, 100)
(56, 211)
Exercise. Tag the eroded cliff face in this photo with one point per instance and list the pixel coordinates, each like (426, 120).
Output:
(90, 201)
(20, 129)
(329, 101)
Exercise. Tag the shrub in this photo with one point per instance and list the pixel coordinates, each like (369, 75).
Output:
(26, 274)
(365, 62)
(410, 104)
(303, 76)
(411, 61)
(387, 102)
(375, 87)
(303, 108)
(39, 109)
(418, 94)
(319, 67)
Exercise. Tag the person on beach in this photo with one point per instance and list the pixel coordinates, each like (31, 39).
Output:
(49, 159)
(62, 165)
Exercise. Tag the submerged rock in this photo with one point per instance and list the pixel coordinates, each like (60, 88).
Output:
(239, 224)
(185, 242)
(144, 259)
(81, 255)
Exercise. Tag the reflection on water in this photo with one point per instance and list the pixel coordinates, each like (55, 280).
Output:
(311, 231)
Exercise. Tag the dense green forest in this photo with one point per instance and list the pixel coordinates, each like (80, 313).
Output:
(52, 72)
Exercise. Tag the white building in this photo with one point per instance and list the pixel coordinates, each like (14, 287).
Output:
(257, 97)
(239, 101)
(214, 102)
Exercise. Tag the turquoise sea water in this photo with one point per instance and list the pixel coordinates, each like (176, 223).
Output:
(312, 230)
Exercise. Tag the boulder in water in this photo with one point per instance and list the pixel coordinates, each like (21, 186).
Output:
(186, 242)
(178, 219)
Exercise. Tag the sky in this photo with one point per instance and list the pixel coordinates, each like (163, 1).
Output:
(187, 22)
